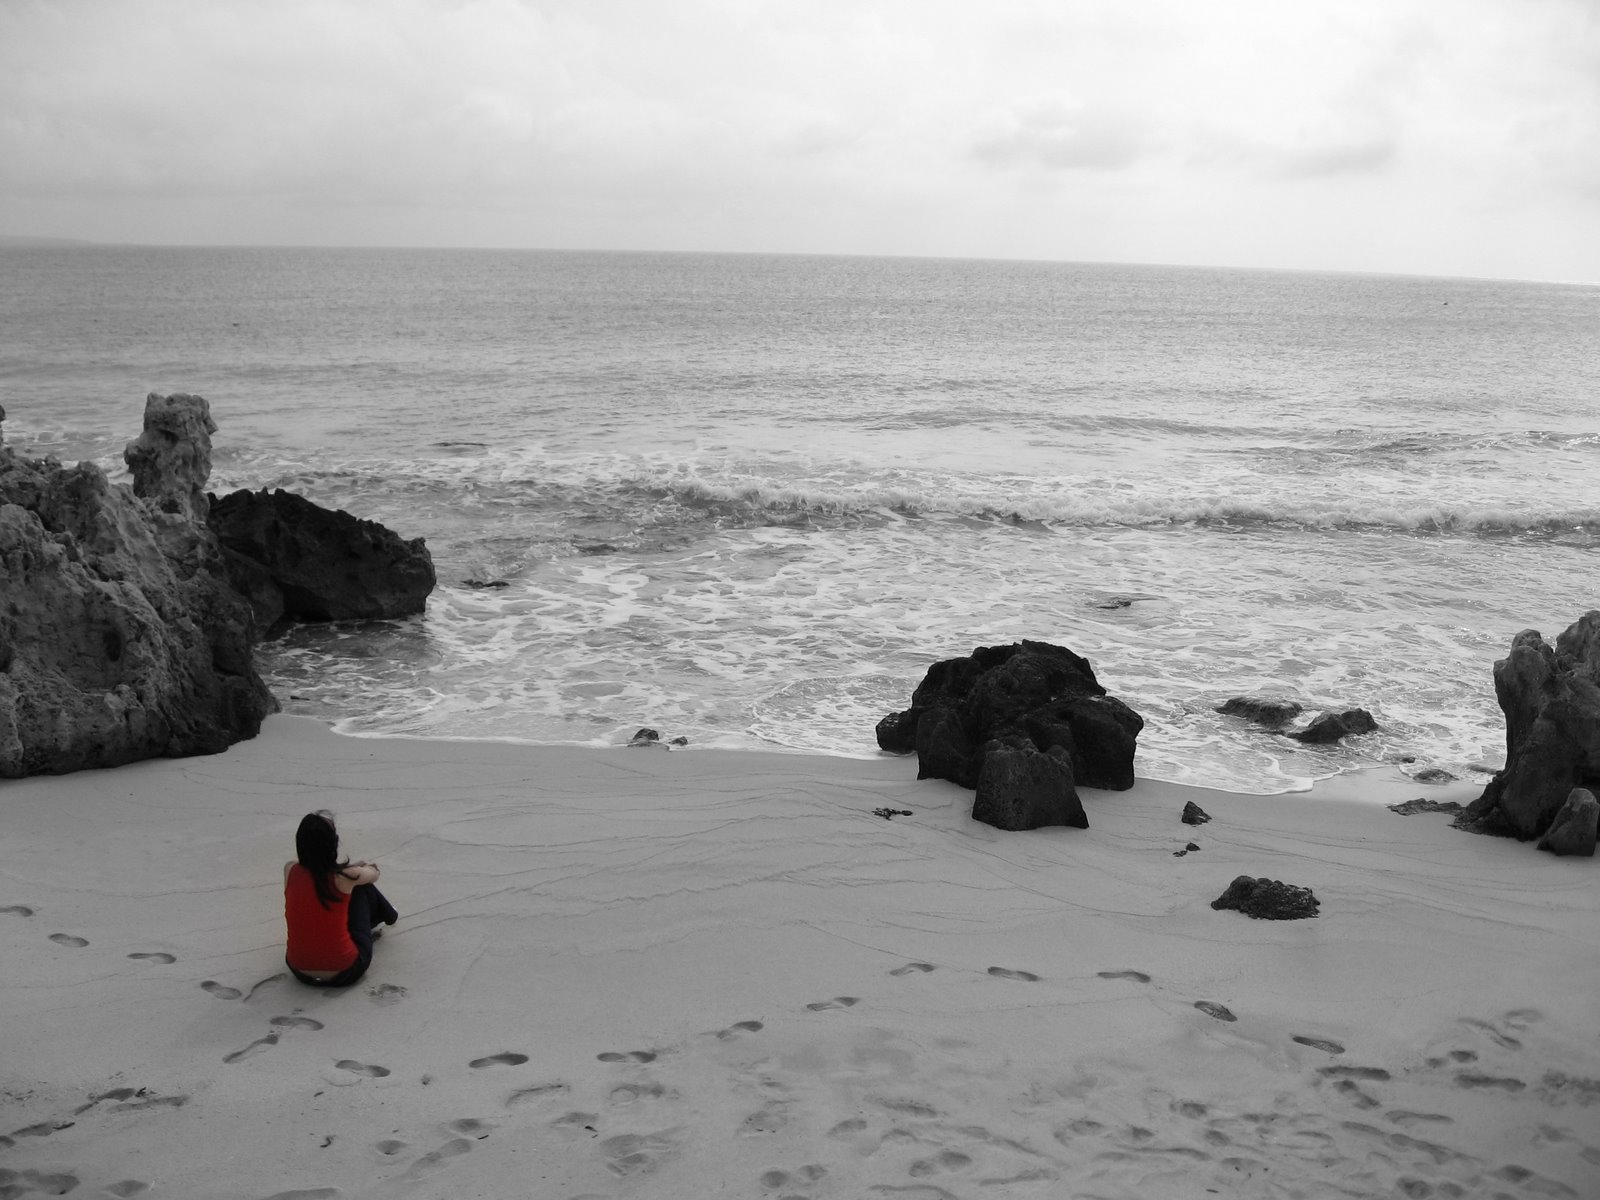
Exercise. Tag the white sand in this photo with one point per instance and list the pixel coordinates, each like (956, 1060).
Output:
(634, 973)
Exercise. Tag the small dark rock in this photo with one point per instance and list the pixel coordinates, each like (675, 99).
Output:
(1434, 775)
(890, 813)
(1191, 846)
(1423, 805)
(1268, 899)
(647, 735)
(1193, 814)
(484, 583)
(1263, 710)
(1330, 727)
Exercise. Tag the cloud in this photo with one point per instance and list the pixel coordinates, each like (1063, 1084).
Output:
(1063, 137)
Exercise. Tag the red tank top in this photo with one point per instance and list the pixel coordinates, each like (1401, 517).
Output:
(319, 938)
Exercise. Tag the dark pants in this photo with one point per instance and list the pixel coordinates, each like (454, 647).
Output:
(368, 907)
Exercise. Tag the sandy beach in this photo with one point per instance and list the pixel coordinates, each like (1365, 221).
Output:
(641, 973)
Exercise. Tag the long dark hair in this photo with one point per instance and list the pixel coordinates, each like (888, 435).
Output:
(316, 845)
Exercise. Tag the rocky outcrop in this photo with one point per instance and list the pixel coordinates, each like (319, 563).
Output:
(1330, 727)
(1020, 787)
(1421, 804)
(1551, 700)
(119, 637)
(1268, 899)
(1270, 711)
(299, 561)
(1028, 698)
(1572, 832)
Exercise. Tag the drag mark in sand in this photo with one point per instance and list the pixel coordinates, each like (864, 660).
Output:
(259, 984)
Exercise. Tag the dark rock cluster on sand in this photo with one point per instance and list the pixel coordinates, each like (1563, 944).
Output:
(1268, 899)
(1551, 698)
(121, 635)
(1023, 725)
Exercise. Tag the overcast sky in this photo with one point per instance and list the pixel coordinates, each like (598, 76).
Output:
(1453, 137)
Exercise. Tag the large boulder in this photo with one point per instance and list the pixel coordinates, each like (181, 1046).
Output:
(1551, 700)
(119, 637)
(297, 560)
(1020, 787)
(1028, 695)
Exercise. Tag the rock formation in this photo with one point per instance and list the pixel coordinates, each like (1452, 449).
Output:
(297, 560)
(1193, 814)
(1263, 710)
(1551, 700)
(119, 637)
(1330, 727)
(1024, 702)
(1268, 899)
(1572, 832)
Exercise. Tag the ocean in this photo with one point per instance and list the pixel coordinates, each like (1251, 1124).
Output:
(748, 499)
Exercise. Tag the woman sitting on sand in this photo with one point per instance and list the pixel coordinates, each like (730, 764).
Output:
(333, 909)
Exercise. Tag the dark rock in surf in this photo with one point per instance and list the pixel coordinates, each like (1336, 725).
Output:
(1268, 899)
(1551, 699)
(120, 638)
(1572, 831)
(1330, 727)
(1263, 710)
(1433, 775)
(325, 564)
(1028, 694)
(1020, 787)
(1193, 814)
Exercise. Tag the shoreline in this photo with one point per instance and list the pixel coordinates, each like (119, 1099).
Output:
(636, 973)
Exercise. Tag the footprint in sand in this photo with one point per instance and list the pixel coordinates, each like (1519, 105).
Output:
(386, 994)
(538, 1091)
(320, 1193)
(506, 1058)
(1212, 1009)
(1134, 976)
(436, 1159)
(637, 1153)
(220, 990)
(836, 1002)
(1008, 973)
(155, 956)
(776, 1180)
(945, 1160)
(389, 1147)
(634, 1056)
(474, 1127)
(1475, 1079)
(255, 1047)
(38, 1181)
(124, 1188)
(365, 1070)
(295, 1023)
(66, 939)
(632, 1093)
(920, 967)
(848, 1128)
(177, 1101)
(1319, 1044)
(16, 910)
(738, 1027)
